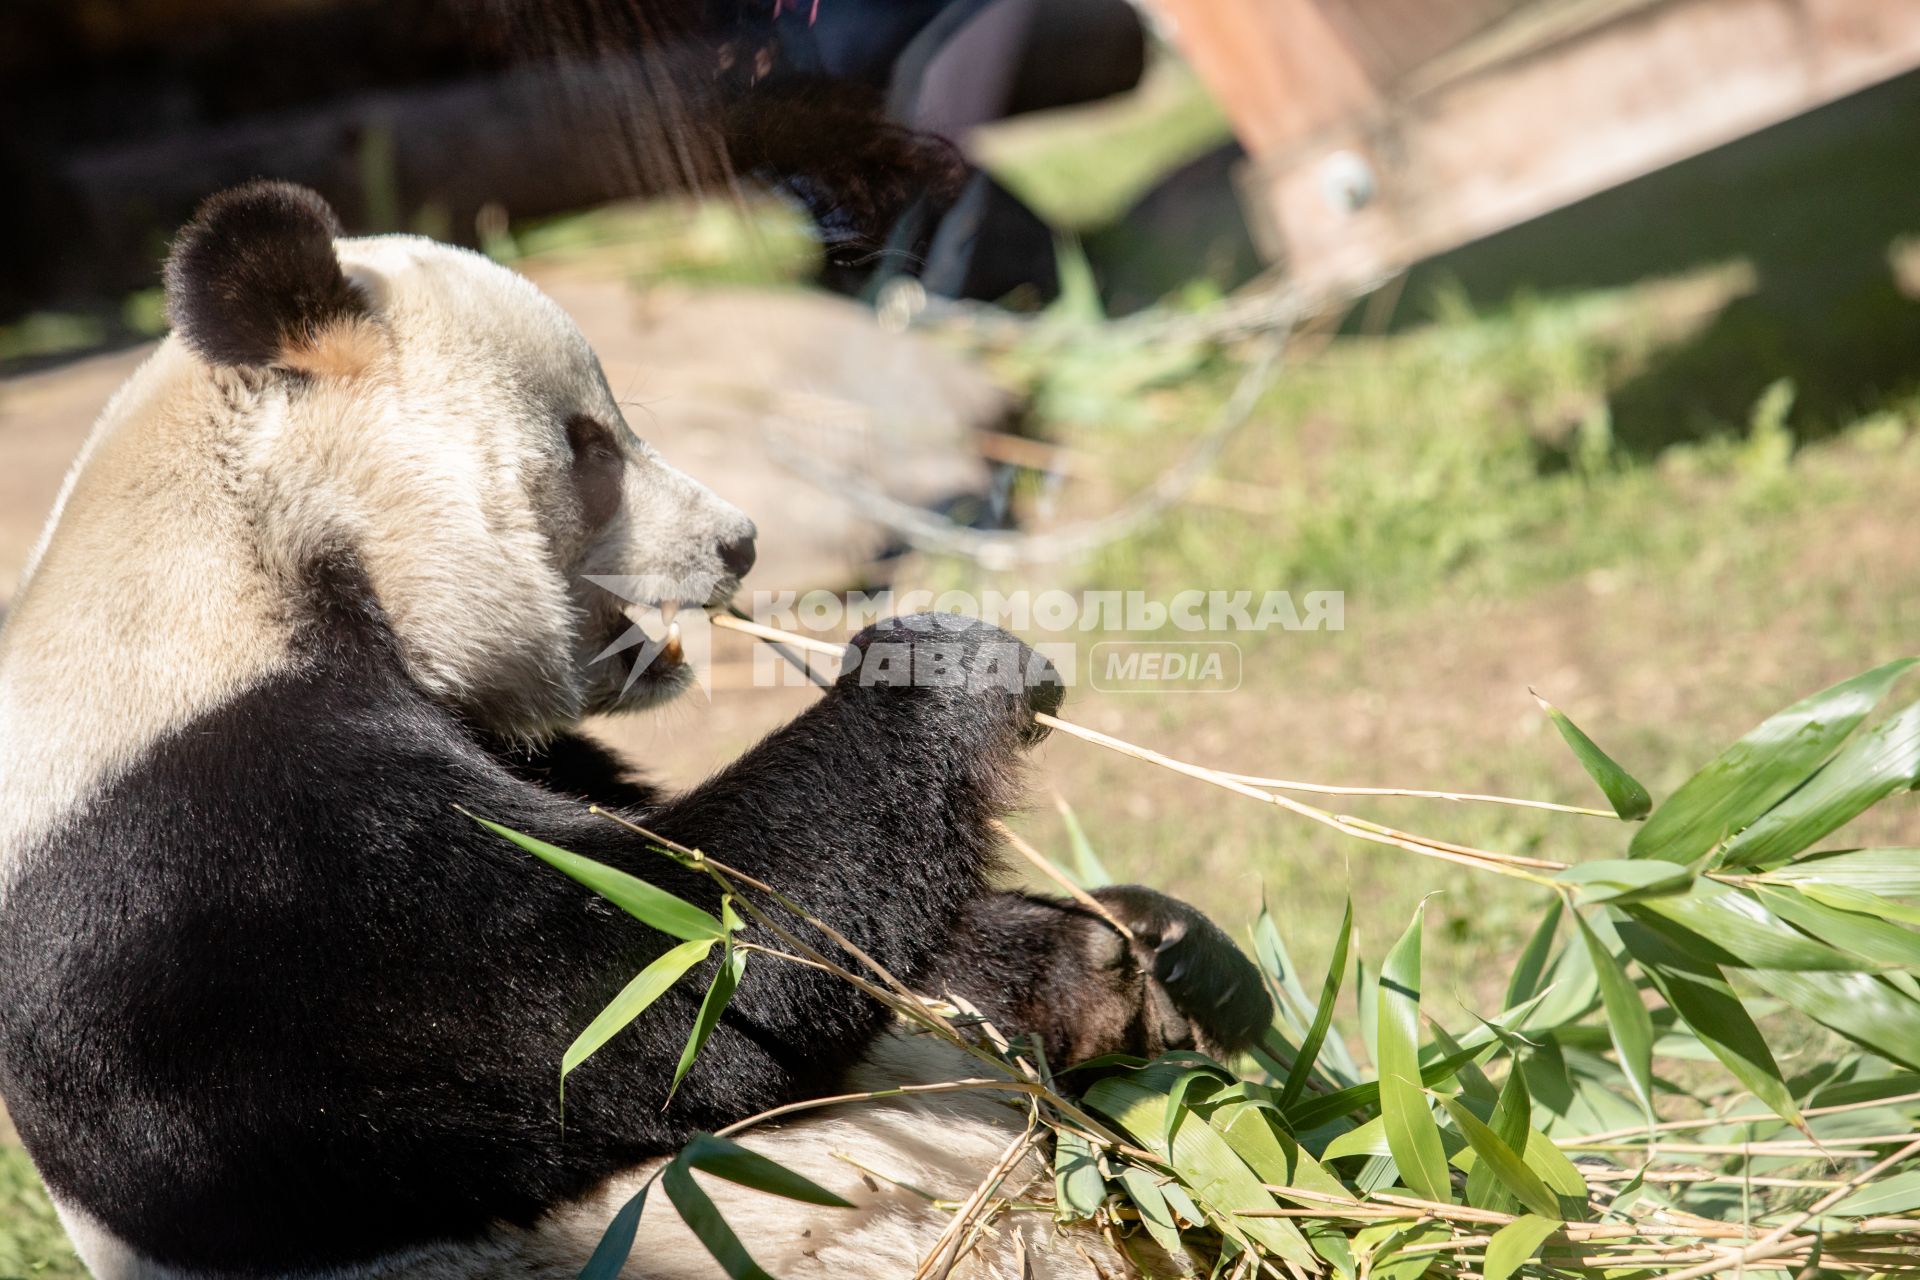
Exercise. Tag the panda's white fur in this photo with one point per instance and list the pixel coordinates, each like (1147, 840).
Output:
(424, 438)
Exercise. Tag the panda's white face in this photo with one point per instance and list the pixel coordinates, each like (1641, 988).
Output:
(414, 407)
(462, 437)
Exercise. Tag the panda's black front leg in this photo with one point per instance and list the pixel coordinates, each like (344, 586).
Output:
(872, 812)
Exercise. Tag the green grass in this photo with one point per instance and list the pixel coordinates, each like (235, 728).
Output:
(31, 1241)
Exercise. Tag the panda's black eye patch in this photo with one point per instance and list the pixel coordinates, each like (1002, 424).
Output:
(596, 467)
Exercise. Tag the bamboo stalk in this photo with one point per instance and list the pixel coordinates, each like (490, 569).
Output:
(1325, 789)
(1708, 1122)
(1059, 877)
(1485, 859)
(1243, 784)
(1776, 1242)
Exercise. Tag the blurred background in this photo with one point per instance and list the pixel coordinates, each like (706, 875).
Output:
(1577, 342)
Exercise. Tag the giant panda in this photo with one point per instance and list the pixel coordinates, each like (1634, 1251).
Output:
(271, 1004)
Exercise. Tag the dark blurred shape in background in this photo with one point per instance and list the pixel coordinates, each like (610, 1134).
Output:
(419, 114)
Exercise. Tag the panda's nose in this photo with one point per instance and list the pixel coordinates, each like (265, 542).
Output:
(738, 555)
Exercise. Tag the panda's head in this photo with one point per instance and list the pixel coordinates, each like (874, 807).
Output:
(434, 417)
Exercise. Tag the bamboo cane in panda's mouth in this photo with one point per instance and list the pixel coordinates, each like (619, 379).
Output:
(1536, 869)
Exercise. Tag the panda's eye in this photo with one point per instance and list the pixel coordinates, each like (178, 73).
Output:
(596, 467)
(590, 438)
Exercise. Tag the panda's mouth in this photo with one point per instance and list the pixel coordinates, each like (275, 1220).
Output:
(661, 653)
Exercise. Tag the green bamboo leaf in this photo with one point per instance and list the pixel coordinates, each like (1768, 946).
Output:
(1881, 761)
(1087, 867)
(1270, 1152)
(671, 915)
(1515, 1243)
(1412, 1133)
(1745, 933)
(1177, 1096)
(1270, 953)
(743, 1167)
(1846, 898)
(1560, 1174)
(1571, 990)
(616, 1242)
(1624, 880)
(1851, 932)
(1512, 1117)
(647, 986)
(1628, 798)
(1761, 769)
(1322, 1016)
(703, 1218)
(1314, 1112)
(1892, 873)
(1078, 1187)
(1366, 999)
(1629, 1025)
(736, 1164)
(1144, 1190)
(1897, 1194)
(1389, 1245)
(1369, 1139)
(1505, 1163)
(1527, 973)
(1863, 1007)
(1209, 1167)
(1700, 996)
(726, 978)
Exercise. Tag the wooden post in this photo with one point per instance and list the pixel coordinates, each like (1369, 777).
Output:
(1378, 141)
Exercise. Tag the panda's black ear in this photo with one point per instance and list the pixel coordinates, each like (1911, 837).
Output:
(254, 277)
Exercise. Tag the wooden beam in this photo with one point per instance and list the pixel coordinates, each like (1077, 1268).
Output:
(1354, 194)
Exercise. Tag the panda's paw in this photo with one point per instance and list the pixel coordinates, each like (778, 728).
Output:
(969, 674)
(1200, 981)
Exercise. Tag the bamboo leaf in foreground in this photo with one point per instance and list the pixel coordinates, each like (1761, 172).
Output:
(1216, 1176)
(1757, 772)
(1863, 1007)
(1735, 928)
(1511, 1119)
(1078, 1187)
(1144, 1190)
(646, 987)
(750, 1169)
(1412, 1134)
(616, 1243)
(1629, 1025)
(1525, 983)
(1514, 1244)
(1628, 798)
(1892, 873)
(1623, 880)
(702, 1217)
(1860, 933)
(670, 914)
(1322, 1016)
(1873, 766)
(726, 978)
(1506, 1164)
(1700, 996)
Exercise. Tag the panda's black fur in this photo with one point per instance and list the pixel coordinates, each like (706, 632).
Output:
(270, 1002)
